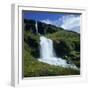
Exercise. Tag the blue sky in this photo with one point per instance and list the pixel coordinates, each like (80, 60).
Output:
(67, 21)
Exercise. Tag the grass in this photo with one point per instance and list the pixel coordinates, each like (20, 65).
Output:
(34, 68)
(66, 45)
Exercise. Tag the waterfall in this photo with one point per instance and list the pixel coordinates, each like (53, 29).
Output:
(46, 48)
(36, 26)
(47, 54)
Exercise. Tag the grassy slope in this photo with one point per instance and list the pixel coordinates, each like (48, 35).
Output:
(32, 67)
(72, 44)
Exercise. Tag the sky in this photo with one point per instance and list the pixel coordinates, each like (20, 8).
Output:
(68, 21)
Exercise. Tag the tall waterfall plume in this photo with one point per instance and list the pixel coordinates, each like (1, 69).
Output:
(47, 53)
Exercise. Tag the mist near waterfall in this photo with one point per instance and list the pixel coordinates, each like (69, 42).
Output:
(48, 55)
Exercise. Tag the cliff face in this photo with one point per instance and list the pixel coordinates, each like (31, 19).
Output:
(42, 27)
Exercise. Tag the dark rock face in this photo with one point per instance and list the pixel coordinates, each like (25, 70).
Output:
(42, 27)
(61, 48)
(29, 25)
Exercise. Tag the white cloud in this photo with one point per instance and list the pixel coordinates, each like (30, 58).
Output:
(53, 22)
(47, 21)
(71, 22)
(68, 22)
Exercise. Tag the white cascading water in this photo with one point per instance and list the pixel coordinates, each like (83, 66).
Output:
(36, 26)
(47, 53)
(46, 48)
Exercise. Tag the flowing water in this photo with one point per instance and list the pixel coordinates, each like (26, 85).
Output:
(36, 26)
(47, 53)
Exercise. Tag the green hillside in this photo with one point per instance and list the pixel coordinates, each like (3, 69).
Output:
(66, 45)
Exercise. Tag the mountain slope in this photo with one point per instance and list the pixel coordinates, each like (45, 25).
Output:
(66, 46)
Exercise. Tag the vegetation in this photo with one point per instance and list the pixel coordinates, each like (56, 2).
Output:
(66, 45)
